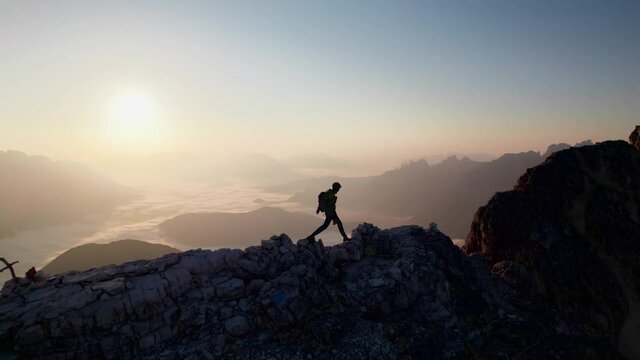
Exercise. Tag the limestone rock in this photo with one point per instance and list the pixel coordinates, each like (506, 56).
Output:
(237, 326)
(230, 289)
(269, 244)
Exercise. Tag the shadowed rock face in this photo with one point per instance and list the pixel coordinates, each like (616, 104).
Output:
(404, 292)
(573, 224)
(634, 138)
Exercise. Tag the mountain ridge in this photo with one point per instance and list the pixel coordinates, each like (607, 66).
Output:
(87, 256)
(38, 192)
(447, 193)
(534, 280)
(401, 292)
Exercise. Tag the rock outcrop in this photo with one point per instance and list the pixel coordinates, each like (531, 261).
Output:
(568, 235)
(405, 292)
(634, 138)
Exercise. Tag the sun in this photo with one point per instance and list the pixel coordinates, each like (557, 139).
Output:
(132, 119)
(132, 108)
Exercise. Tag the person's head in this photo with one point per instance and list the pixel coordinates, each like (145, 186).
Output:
(336, 186)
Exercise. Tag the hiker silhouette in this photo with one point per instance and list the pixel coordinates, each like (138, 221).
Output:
(327, 204)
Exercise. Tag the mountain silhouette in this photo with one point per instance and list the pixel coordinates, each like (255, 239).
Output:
(447, 193)
(36, 191)
(89, 256)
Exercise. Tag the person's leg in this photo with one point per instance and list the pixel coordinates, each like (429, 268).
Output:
(322, 227)
(338, 222)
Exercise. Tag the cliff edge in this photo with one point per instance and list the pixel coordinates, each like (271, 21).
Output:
(572, 226)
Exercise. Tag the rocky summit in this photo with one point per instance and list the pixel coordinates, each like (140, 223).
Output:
(404, 292)
(550, 270)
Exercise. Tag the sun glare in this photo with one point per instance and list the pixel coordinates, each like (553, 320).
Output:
(132, 119)
(132, 108)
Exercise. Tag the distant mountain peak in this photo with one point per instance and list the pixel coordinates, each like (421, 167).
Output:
(37, 192)
(94, 255)
(558, 147)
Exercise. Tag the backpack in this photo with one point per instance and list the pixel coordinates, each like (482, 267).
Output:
(323, 201)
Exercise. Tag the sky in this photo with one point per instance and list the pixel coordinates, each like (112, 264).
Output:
(374, 81)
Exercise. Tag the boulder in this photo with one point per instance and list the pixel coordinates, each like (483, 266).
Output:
(269, 244)
(230, 289)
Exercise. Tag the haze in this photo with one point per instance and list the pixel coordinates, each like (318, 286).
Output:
(169, 108)
(375, 82)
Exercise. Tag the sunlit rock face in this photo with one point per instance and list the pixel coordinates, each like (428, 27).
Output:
(404, 292)
(573, 225)
(634, 138)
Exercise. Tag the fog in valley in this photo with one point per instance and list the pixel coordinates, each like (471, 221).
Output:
(188, 202)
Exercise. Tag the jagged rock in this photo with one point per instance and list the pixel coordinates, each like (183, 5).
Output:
(281, 240)
(284, 240)
(395, 273)
(573, 223)
(226, 312)
(111, 287)
(237, 325)
(254, 286)
(230, 289)
(269, 244)
(514, 274)
(634, 138)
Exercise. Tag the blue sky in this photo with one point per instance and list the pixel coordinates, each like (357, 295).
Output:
(367, 80)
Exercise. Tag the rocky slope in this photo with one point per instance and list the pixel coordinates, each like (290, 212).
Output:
(572, 228)
(405, 292)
